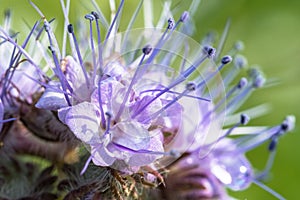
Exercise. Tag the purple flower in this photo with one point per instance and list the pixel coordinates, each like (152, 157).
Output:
(134, 141)
(136, 106)
(148, 99)
(130, 108)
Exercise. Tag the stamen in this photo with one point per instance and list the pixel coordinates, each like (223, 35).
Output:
(259, 81)
(146, 51)
(245, 143)
(7, 76)
(244, 119)
(184, 17)
(64, 82)
(15, 60)
(239, 46)
(225, 60)
(91, 18)
(178, 93)
(21, 49)
(7, 120)
(86, 165)
(165, 37)
(178, 80)
(270, 161)
(53, 88)
(170, 23)
(191, 86)
(172, 153)
(287, 125)
(160, 43)
(209, 51)
(47, 28)
(102, 124)
(237, 101)
(71, 31)
(241, 85)
(100, 59)
(243, 82)
(257, 76)
(239, 62)
(41, 30)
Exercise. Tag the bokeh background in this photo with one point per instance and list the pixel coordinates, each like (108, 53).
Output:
(270, 30)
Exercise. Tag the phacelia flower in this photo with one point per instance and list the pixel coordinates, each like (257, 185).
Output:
(148, 103)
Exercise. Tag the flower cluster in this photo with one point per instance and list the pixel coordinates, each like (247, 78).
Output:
(148, 104)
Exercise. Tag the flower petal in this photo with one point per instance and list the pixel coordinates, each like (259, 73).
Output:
(101, 156)
(51, 99)
(142, 159)
(83, 119)
(131, 135)
(75, 76)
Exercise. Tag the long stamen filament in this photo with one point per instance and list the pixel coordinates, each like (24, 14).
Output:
(146, 51)
(177, 81)
(71, 31)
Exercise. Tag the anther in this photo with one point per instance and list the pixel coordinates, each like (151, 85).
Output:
(191, 86)
(96, 15)
(242, 83)
(288, 124)
(170, 23)
(210, 51)
(90, 17)
(184, 17)
(70, 28)
(51, 49)
(226, 59)
(259, 81)
(240, 61)
(109, 114)
(7, 13)
(257, 76)
(147, 49)
(239, 46)
(244, 119)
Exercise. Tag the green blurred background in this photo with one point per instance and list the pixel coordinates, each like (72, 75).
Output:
(270, 30)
